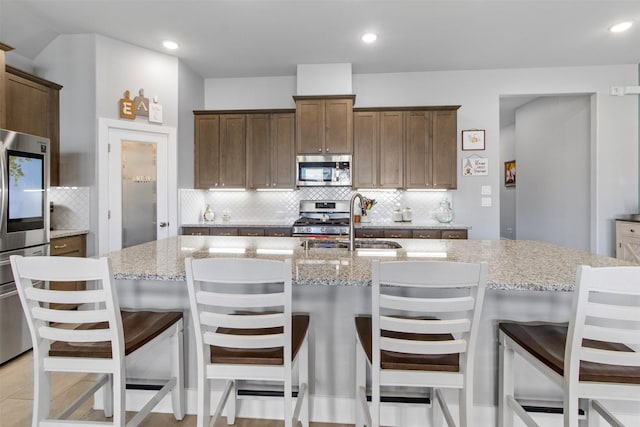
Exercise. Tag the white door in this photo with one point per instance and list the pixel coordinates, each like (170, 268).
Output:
(137, 192)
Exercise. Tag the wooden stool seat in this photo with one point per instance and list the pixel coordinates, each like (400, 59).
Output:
(139, 327)
(261, 356)
(405, 361)
(547, 343)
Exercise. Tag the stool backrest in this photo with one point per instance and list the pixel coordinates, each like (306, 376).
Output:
(606, 308)
(425, 297)
(227, 295)
(48, 324)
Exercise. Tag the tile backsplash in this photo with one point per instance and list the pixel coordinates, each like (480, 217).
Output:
(284, 205)
(70, 208)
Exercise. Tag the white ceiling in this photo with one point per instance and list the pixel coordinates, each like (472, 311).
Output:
(244, 38)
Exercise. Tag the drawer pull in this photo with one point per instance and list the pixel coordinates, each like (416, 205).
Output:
(252, 234)
(395, 236)
(225, 234)
(367, 235)
(278, 234)
(59, 246)
(632, 230)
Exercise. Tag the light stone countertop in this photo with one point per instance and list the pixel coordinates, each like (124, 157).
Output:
(55, 234)
(373, 224)
(513, 264)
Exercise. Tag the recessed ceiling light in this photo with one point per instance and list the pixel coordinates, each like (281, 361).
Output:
(369, 37)
(171, 45)
(623, 26)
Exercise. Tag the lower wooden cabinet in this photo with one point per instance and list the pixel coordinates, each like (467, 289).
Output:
(195, 231)
(628, 241)
(71, 246)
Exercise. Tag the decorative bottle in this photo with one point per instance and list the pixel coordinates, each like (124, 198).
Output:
(444, 213)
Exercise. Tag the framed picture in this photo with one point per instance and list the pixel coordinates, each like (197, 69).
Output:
(510, 173)
(473, 139)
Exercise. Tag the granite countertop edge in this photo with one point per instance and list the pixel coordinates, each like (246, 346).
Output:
(373, 224)
(56, 234)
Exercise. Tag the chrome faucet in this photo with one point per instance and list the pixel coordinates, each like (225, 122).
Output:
(352, 233)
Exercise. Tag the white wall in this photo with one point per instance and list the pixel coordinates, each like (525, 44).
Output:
(190, 97)
(478, 93)
(507, 194)
(121, 66)
(553, 146)
(247, 93)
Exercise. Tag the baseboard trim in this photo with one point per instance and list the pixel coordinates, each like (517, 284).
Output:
(341, 410)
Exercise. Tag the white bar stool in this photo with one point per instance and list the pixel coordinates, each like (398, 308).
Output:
(406, 346)
(241, 310)
(591, 358)
(98, 338)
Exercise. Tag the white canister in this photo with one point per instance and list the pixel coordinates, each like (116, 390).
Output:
(397, 215)
(407, 214)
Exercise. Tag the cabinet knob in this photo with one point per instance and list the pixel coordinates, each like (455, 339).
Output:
(632, 230)
(319, 150)
(327, 150)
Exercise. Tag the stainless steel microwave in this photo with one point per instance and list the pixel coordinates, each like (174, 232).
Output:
(323, 171)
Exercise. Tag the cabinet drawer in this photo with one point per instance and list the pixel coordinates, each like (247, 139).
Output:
(454, 234)
(629, 229)
(195, 231)
(427, 234)
(223, 231)
(397, 233)
(370, 233)
(68, 246)
(278, 232)
(250, 231)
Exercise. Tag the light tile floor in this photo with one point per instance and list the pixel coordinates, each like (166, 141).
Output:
(16, 397)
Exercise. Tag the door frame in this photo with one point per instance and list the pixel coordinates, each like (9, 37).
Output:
(105, 128)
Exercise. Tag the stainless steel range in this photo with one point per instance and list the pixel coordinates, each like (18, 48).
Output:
(322, 218)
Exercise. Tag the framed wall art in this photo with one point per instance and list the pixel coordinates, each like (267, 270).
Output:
(510, 173)
(473, 139)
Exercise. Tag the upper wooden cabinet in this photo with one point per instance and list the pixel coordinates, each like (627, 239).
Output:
(378, 149)
(220, 153)
(270, 149)
(32, 105)
(324, 124)
(431, 148)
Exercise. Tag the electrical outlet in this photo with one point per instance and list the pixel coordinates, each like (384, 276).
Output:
(617, 91)
(485, 190)
(485, 202)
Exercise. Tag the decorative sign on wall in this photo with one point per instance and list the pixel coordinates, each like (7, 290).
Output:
(127, 107)
(473, 139)
(475, 166)
(139, 106)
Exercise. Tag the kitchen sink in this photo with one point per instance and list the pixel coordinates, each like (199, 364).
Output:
(344, 244)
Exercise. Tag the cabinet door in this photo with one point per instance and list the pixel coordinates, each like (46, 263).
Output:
(426, 234)
(310, 126)
(454, 234)
(278, 231)
(72, 246)
(445, 150)
(250, 231)
(232, 151)
(391, 152)
(365, 149)
(223, 231)
(283, 128)
(418, 146)
(338, 126)
(397, 233)
(370, 233)
(258, 151)
(27, 106)
(195, 231)
(207, 150)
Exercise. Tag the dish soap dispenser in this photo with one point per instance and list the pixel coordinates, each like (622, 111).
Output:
(208, 215)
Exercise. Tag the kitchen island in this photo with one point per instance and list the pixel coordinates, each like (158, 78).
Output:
(527, 280)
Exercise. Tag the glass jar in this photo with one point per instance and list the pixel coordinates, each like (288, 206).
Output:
(444, 213)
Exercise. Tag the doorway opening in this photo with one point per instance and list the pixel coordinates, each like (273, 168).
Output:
(551, 138)
(137, 184)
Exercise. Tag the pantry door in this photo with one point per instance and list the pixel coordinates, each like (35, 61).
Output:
(138, 184)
